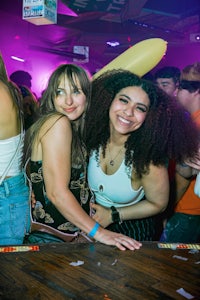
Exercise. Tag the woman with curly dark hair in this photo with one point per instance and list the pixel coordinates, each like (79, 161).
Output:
(132, 129)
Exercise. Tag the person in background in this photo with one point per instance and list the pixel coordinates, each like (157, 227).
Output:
(167, 78)
(190, 167)
(30, 102)
(30, 106)
(184, 225)
(132, 129)
(14, 191)
(21, 77)
(58, 163)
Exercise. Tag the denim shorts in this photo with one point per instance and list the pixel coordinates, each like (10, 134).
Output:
(182, 228)
(14, 210)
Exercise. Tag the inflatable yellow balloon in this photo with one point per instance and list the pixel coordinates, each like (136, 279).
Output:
(139, 59)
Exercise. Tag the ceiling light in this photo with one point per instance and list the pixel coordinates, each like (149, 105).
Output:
(112, 43)
(195, 37)
(17, 58)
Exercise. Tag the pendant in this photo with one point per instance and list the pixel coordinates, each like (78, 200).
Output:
(84, 195)
(112, 162)
(101, 188)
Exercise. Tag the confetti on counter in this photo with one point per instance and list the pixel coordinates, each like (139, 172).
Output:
(106, 297)
(179, 246)
(193, 251)
(114, 262)
(18, 248)
(180, 257)
(78, 263)
(183, 293)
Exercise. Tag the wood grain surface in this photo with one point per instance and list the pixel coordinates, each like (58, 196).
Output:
(106, 273)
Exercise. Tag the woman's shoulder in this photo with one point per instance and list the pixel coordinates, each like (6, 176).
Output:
(6, 98)
(52, 128)
(55, 119)
(54, 124)
(9, 116)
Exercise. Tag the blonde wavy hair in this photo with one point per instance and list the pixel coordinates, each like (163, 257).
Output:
(191, 72)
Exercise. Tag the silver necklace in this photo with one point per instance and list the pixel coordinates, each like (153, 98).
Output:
(112, 160)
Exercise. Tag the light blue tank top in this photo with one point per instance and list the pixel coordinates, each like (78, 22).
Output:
(112, 189)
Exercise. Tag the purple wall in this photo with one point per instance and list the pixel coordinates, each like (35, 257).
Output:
(17, 37)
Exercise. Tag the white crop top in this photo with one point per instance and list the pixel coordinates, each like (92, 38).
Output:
(112, 189)
(7, 150)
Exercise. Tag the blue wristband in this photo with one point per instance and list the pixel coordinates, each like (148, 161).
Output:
(94, 230)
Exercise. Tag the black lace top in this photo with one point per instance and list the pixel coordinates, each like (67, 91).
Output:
(45, 212)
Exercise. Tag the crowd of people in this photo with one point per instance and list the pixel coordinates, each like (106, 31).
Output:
(101, 159)
(184, 223)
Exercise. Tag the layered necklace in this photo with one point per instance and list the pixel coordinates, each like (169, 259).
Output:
(112, 160)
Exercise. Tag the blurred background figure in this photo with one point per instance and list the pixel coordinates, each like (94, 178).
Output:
(21, 77)
(30, 106)
(30, 102)
(184, 225)
(167, 78)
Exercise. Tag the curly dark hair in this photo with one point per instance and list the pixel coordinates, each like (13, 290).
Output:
(168, 131)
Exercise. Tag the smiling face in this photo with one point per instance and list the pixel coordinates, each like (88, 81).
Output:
(128, 110)
(70, 100)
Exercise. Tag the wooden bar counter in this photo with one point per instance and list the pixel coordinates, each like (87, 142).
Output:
(102, 273)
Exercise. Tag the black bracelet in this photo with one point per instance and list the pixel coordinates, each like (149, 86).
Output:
(115, 215)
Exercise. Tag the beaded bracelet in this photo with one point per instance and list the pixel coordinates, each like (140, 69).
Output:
(94, 230)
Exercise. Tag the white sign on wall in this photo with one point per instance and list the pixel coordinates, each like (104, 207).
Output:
(81, 50)
(40, 12)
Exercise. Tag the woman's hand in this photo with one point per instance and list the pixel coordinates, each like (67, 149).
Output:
(186, 171)
(104, 218)
(119, 240)
(102, 214)
(194, 163)
(33, 200)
